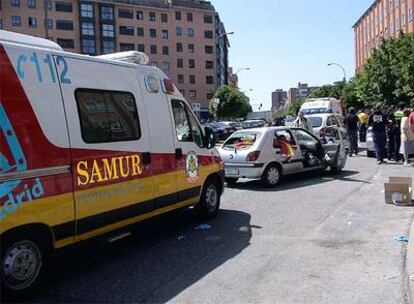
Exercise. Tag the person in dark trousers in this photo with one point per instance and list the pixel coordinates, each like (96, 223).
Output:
(397, 117)
(391, 131)
(363, 124)
(351, 123)
(378, 122)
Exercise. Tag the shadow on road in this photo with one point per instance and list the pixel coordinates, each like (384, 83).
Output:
(161, 259)
(300, 180)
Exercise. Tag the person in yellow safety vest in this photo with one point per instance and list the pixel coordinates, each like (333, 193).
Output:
(394, 132)
(363, 124)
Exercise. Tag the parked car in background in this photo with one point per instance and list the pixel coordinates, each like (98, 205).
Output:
(270, 153)
(233, 124)
(221, 130)
(256, 123)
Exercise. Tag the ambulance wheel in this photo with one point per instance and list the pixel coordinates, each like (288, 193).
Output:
(209, 204)
(231, 181)
(272, 175)
(23, 265)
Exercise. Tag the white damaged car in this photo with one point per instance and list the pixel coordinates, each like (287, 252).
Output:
(270, 153)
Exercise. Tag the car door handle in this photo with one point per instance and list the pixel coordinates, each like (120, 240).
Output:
(146, 158)
(178, 153)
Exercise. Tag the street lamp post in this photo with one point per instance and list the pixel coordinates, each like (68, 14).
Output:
(242, 69)
(225, 34)
(343, 69)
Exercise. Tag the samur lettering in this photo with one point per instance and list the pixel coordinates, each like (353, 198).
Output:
(107, 169)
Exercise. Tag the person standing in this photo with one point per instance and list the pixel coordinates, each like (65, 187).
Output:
(407, 137)
(363, 125)
(378, 121)
(351, 123)
(398, 116)
(391, 129)
(302, 122)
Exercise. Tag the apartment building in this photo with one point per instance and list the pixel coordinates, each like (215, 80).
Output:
(185, 38)
(279, 99)
(383, 19)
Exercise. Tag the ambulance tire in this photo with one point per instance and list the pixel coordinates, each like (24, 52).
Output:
(209, 204)
(29, 257)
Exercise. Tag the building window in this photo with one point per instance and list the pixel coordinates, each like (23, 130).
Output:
(182, 92)
(66, 25)
(191, 63)
(88, 46)
(154, 63)
(165, 50)
(190, 32)
(107, 13)
(192, 79)
(208, 19)
(208, 49)
(209, 65)
(141, 47)
(86, 10)
(125, 13)
(153, 49)
(164, 34)
(66, 43)
(153, 33)
(48, 4)
(410, 14)
(210, 80)
(179, 31)
(191, 48)
(107, 116)
(140, 15)
(208, 34)
(32, 22)
(49, 24)
(152, 17)
(403, 20)
(140, 32)
(88, 29)
(180, 78)
(190, 17)
(397, 24)
(192, 94)
(180, 63)
(164, 18)
(126, 30)
(63, 7)
(108, 47)
(124, 47)
(108, 30)
(179, 47)
(31, 3)
(165, 66)
(15, 3)
(177, 15)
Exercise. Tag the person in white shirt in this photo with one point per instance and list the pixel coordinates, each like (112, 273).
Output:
(407, 138)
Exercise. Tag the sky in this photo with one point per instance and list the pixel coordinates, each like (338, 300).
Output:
(284, 42)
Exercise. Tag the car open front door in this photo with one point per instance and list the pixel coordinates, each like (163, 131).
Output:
(335, 147)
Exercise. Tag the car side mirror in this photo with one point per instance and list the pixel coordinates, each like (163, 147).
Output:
(209, 138)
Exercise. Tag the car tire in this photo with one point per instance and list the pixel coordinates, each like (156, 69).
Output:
(271, 176)
(231, 181)
(209, 204)
(371, 154)
(25, 261)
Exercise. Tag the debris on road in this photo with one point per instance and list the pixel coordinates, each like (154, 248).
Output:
(203, 227)
(401, 238)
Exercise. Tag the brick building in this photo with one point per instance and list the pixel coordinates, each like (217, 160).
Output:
(279, 99)
(182, 37)
(383, 19)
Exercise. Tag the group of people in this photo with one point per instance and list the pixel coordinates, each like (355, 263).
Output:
(395, 126)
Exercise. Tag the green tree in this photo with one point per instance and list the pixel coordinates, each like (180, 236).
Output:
(388, 75)
(233, 103)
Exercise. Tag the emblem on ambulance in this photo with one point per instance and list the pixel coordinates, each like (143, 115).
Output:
(192, 167)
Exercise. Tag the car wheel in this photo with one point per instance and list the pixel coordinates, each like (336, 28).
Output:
(23, 265)
(209, 204)
(371, 154)
(272, 175)
(231, 181)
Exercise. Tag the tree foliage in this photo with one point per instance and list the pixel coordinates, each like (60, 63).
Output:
(388, 75)
(233, 103)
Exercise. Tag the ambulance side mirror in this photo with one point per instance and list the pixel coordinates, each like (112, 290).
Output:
(209, 138)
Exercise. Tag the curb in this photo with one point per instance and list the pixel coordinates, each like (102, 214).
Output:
(409, 264)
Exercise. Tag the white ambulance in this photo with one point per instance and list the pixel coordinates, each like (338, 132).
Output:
(90, 145)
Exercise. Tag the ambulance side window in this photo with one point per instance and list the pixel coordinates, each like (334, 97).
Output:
(186, 126)
(107, 116)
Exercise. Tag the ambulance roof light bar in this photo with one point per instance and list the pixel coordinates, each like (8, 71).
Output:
(6, 36)
(130, 56)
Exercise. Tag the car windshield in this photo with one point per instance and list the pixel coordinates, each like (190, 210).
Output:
(241, 140)
(316, 122)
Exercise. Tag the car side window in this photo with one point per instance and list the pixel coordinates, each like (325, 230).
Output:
(186, 125)
(283, 135)
(304, 138)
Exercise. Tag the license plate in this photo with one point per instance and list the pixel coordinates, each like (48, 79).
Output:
(232, 171)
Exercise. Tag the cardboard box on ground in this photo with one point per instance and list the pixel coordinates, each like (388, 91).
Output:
(399, 190)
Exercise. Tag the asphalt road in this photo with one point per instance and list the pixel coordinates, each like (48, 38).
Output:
(314, 239)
